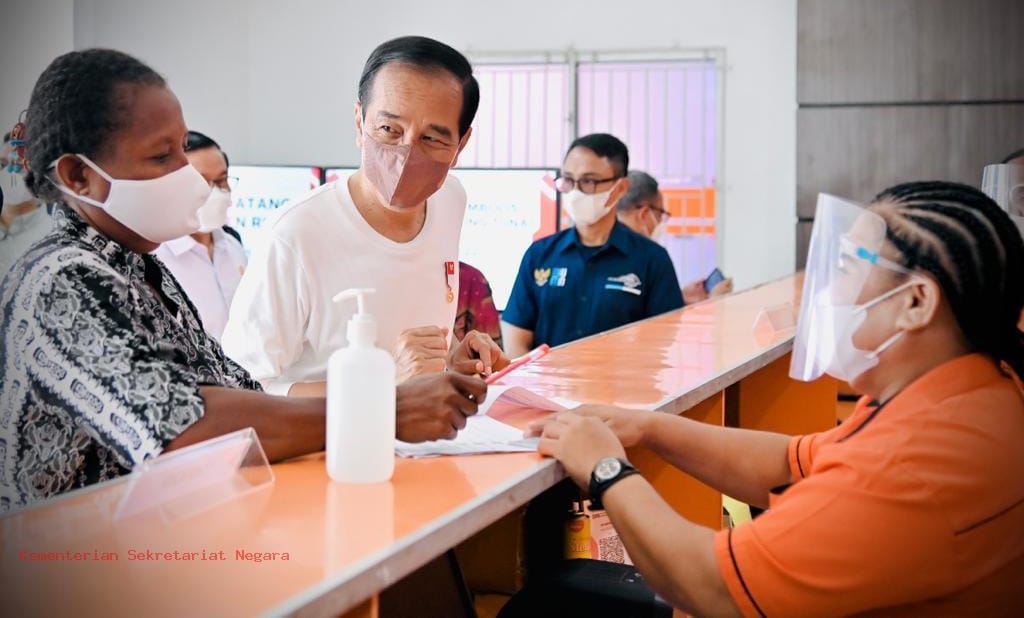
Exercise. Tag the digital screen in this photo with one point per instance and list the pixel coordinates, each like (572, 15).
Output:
(506, 211)
(339, 173)
(261, 192)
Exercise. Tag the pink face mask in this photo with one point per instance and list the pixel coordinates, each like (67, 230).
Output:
(405, 175)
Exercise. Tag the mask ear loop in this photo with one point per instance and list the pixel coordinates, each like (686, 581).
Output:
(67, 191)
(885, 346)
(657, 218)
(458, 151)
(891, 340)
(881, 298)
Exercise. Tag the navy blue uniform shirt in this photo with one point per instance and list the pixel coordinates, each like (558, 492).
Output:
(565, 291)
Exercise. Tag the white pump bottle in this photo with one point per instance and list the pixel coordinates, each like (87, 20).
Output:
(360, 403)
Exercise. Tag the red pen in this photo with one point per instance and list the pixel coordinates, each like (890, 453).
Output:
(519, 362)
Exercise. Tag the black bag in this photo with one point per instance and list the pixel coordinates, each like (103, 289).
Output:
(589, 589)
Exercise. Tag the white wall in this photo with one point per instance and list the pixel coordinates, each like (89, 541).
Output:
(32, 34)
(274, 81)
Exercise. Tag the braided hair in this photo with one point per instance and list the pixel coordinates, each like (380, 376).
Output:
(974, 251)
(77, 103)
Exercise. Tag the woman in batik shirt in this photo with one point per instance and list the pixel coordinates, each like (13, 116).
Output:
(104, 361)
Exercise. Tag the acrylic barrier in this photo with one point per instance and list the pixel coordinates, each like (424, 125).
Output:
(184, 483)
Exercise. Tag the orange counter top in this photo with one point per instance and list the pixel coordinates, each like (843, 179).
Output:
(670, 362)
(345, 543)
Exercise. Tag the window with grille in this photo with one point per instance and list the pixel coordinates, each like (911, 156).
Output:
(666, 109)
(521, 122)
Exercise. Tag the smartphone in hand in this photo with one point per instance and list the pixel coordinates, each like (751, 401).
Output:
(713, 279)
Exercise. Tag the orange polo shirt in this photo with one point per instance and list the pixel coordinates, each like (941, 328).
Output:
(912, 507)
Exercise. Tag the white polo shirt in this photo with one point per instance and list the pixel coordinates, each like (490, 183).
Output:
(209, 283)
(283, 324)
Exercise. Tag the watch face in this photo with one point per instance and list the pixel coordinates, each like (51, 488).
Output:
(607, 468)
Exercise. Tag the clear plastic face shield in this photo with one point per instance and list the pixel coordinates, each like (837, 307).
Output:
(1004, 183)
(844, 253)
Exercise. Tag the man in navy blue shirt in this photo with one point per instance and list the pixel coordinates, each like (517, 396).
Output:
(596, 275)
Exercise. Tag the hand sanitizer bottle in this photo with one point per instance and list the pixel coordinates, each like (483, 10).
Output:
(360, 403)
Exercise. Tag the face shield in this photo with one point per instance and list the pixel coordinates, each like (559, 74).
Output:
(844, 252)
(1004, 183)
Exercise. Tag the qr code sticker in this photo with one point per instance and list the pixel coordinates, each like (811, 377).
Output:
(610, 550)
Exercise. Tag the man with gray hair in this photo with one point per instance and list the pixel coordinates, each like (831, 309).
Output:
(642, 209)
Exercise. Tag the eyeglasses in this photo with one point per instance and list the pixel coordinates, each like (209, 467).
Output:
(228, 183)
(564, 184)
(659, 212)
(848, 250)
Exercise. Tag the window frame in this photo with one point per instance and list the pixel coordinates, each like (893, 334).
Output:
(573, 57)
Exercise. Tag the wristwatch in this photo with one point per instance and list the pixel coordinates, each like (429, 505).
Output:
(607, 472)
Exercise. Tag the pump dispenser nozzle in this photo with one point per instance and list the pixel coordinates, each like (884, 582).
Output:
(362, 328)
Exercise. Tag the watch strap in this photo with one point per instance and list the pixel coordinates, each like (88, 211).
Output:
(597, 488)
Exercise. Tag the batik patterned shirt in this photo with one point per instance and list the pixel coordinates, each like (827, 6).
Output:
(476, 306)
(101, 363)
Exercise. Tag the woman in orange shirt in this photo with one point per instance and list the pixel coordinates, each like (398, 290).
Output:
(916, 503)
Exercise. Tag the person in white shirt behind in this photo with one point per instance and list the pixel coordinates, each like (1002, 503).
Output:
(208, 264)
(23, 218)
(393, 226)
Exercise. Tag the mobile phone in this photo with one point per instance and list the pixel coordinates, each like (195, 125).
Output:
(713, 279)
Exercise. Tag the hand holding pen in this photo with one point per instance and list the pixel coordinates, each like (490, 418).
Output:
(529, 357)
(476, 354)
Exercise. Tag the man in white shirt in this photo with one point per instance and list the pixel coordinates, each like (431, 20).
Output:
(208, 264)
(392, 226)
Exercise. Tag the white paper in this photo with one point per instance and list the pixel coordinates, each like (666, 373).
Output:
(517, 395)
(483, 434)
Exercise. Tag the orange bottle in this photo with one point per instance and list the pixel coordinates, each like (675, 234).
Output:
(577, 533)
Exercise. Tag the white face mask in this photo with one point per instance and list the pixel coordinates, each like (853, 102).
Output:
(846, 360)
(659, 227)
(158, 209)
(15, 191)
(658, 233)
(214, 213)
(587, 209)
